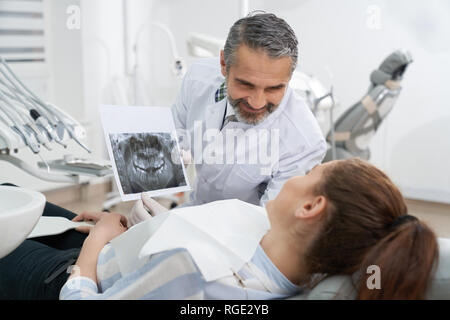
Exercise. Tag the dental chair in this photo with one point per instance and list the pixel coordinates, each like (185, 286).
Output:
(340, 287)
(354, 128)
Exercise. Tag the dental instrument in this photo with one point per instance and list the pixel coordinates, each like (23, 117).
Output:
(17, 86)
(27, 121)
(20, 103)
(18, 124)
(61, 118)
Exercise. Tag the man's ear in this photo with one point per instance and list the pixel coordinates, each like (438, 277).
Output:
(312, 208)
(222, 63)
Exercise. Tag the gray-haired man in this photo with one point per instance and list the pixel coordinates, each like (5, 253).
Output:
(246, 129)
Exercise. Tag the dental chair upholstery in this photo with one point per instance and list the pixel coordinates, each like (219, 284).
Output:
(341, 287)
(355, 128)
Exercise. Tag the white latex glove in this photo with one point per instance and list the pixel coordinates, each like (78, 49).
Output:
(186, 156)
(145, 209)
(152, 206)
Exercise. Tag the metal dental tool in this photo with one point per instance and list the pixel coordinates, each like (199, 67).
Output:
(68, 127)
(18, 88)
(16, 100)
(18, 124)
(28, 122)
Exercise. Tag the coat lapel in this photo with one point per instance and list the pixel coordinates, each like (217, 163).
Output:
(214, 115)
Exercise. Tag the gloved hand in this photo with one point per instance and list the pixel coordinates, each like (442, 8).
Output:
(145, 209)
(185, 156)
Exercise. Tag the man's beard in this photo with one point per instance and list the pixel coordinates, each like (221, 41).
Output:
(248, 117)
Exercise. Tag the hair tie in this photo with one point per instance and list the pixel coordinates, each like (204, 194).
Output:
(402, 219)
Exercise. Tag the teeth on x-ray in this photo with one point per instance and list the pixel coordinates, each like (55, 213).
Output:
(144, 161)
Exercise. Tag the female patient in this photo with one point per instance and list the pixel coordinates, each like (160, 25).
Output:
(340, 218)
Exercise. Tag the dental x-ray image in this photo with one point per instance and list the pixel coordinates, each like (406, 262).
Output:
(147, 161)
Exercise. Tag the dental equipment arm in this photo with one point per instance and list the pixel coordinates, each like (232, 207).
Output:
(16, 89)
(38, 173)
(27, 121)
(178, 67)
(20, 124)
(69, 127)
(17, 86)
(27, 106)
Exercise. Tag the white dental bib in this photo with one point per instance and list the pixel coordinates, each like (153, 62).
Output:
(221, 237)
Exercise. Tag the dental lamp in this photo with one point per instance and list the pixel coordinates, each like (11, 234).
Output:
(204, 46)
(28, 122)
(179, 66)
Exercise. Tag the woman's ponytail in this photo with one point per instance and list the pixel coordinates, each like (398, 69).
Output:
(405, 258)
(367, 233)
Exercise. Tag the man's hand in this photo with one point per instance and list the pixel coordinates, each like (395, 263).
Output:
(186, 156)
(144, 209)
(152, 206)
(138, 214)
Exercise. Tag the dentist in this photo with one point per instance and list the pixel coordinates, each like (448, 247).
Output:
(244, 97)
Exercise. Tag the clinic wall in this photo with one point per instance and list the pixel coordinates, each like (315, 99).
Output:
(154, 55)
(341, 42)
(345, 40)
(338, 44)
(103, 63)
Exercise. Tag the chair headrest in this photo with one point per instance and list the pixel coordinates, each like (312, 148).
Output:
(392, 68)
(341, 287)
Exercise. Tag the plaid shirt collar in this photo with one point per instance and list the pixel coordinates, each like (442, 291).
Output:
(221, 93)
(229, 114)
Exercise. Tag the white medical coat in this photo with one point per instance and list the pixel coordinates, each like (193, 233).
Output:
(301, 143)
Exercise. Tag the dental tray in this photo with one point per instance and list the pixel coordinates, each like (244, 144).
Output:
(77, 165)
